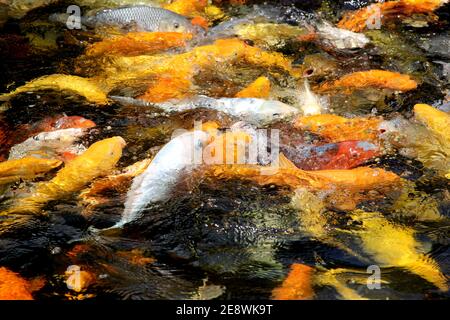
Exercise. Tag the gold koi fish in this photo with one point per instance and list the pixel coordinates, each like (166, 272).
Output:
(61, 82)
(26, 168)
(98, 160)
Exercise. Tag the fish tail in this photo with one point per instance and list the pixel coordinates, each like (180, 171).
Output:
(347, 293)
(19, 210)
(97, 235)
(330, 279)
(428, 269)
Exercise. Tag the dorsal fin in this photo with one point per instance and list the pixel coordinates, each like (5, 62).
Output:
(286, 163)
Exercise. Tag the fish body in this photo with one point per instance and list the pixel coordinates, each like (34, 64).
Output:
(335, 128)
(23, 132)
(341, 155)
(251, 110)
(164, 172)
(27, 168)
(425, 139)
(98, 160)
(58, 123)
(58, 142)
(141, 18)
(62, 82)
(13, 286)
(378, 233)
(341, 38)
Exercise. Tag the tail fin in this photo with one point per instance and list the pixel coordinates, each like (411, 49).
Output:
(345, 292)
(428, 269)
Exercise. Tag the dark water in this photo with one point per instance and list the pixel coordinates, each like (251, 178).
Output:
(237, 236)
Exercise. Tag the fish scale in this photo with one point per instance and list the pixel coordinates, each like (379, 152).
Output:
(144, 18)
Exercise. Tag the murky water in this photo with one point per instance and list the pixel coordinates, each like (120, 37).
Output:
(225, 238)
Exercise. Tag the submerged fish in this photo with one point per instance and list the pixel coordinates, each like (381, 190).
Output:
(341, 38)
(97, 192)
(157, 182)
(137, 18)
(260, 88)
(50, 124)
(341, 155)
(251, 110)
(299, 283)
(379, 79)
(59, 142)
(344, 188)
(437, 46)
(425, 139)
(392, 245)
(13, 286)
(62, 82)
(23, 132)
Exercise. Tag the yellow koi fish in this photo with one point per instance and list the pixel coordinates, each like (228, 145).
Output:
(26, 168)
(437, 121)
(260, 88)
(61, 82)
(97, 161)
(345, 188)
(392, 245)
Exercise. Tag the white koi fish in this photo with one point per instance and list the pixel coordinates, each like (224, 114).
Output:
(180, 155)
(58, 142)
(251, 110)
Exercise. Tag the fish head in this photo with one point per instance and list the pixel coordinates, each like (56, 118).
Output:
(106, 153)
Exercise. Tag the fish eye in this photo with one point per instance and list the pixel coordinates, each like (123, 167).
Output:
(176, 25)
(276, 114)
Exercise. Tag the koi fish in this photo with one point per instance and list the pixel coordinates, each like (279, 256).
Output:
(394, 245)
(61, 82)
(23, 132)
(340, 38)
(98, 160)
(254, 111)
(26, 168)
(344, 188)
(299, 283)
(49, 143)
(157, 182)
(13, 286)
(138, 18)
(341, 155)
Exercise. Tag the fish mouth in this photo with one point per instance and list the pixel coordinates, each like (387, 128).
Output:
(121, 141)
